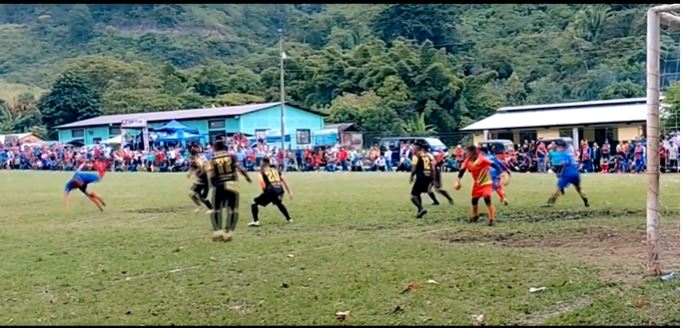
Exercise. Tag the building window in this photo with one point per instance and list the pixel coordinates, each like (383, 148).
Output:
(303, 136)
(114, 130)
(528, 135)
(260, 133)
(505, 136)
(565, 133)
(77, 133)
(213, 135)
(601, 134)
(216, 124)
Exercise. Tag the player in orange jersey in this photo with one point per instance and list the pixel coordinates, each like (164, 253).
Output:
(479, 166)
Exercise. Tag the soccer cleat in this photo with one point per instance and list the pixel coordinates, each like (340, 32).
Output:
(227, 236)
(217, 235)
(473, 219)
(209, 212)
(563, 192)
(452, 202)
(435, 204)
(421, 214)
(505, 202)
(198, 209)
(254, 224)
(587, 204)
(290, 220)
(491, 223)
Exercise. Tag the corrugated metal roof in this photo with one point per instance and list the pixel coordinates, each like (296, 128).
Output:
(630, 110)
(574, 104)
(183, 114)
(343, 126)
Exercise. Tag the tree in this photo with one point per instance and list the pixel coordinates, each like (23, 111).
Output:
(71, 99)
(234, 99)
(105, 73)
(166, 15)
(9, 120)
(20, 115)
(590, 22)
(672, 100)
(212, 80)
(418, 127)
(420, 22)
(80, 24)
(622, 89)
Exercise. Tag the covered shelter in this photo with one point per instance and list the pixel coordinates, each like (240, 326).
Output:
(20, 137)
(349, 134)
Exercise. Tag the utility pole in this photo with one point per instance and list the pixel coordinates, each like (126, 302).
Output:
(281, 90)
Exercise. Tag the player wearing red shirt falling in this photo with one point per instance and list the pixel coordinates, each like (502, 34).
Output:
(479, 166)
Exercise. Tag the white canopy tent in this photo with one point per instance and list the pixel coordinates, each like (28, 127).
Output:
(115, 140)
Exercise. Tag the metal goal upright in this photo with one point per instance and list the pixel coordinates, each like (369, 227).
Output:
(669, 15)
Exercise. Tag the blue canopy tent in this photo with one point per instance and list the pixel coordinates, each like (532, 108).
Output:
(178, 136)
(173, 126)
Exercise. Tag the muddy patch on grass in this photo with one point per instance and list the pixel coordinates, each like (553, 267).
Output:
(551, 214)
(621, 252)
(581, 236)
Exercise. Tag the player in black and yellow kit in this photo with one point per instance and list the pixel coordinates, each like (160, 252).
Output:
(438, 184)
(273, 185)
(222, 172)
(198, 193)
(423, 177)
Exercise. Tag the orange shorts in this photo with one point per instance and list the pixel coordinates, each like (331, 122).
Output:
(482, 191)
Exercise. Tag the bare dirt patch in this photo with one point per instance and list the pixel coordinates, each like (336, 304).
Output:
(620, 252)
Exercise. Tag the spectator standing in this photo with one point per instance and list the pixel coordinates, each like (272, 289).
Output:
(586, 156)
(388, 156)
(343, 159)
(597, 156)
(541, 153)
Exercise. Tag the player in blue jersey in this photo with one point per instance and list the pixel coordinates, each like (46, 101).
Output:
(568, 174)
(81, 180)
(496, 175)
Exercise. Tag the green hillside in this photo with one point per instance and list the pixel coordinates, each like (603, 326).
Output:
(376, 64)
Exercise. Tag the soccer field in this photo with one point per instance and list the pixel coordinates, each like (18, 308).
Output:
(354, 246)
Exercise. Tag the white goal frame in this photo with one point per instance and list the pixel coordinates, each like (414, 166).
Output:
(669, 15)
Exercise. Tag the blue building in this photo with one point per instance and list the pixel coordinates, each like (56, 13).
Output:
(251, 120)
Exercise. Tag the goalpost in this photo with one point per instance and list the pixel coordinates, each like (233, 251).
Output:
(655, 16)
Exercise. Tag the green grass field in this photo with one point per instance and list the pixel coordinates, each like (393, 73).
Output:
(354, 246)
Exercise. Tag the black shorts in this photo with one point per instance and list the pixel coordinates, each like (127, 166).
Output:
(421, 185)
(225, 195)
(269, 196)
(200, 188)
(84, 188)
(439, 179)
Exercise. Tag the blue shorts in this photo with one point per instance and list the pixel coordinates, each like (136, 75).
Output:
(564, 181)
(497, 182)
(81, 181)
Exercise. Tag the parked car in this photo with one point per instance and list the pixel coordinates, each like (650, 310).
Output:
(393, 143)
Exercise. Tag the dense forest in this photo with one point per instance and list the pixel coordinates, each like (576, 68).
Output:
(391, 68)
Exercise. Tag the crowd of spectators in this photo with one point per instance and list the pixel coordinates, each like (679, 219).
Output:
(529, 156)
(625, 157)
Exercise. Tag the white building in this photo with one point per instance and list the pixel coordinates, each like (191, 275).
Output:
(595, 121)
